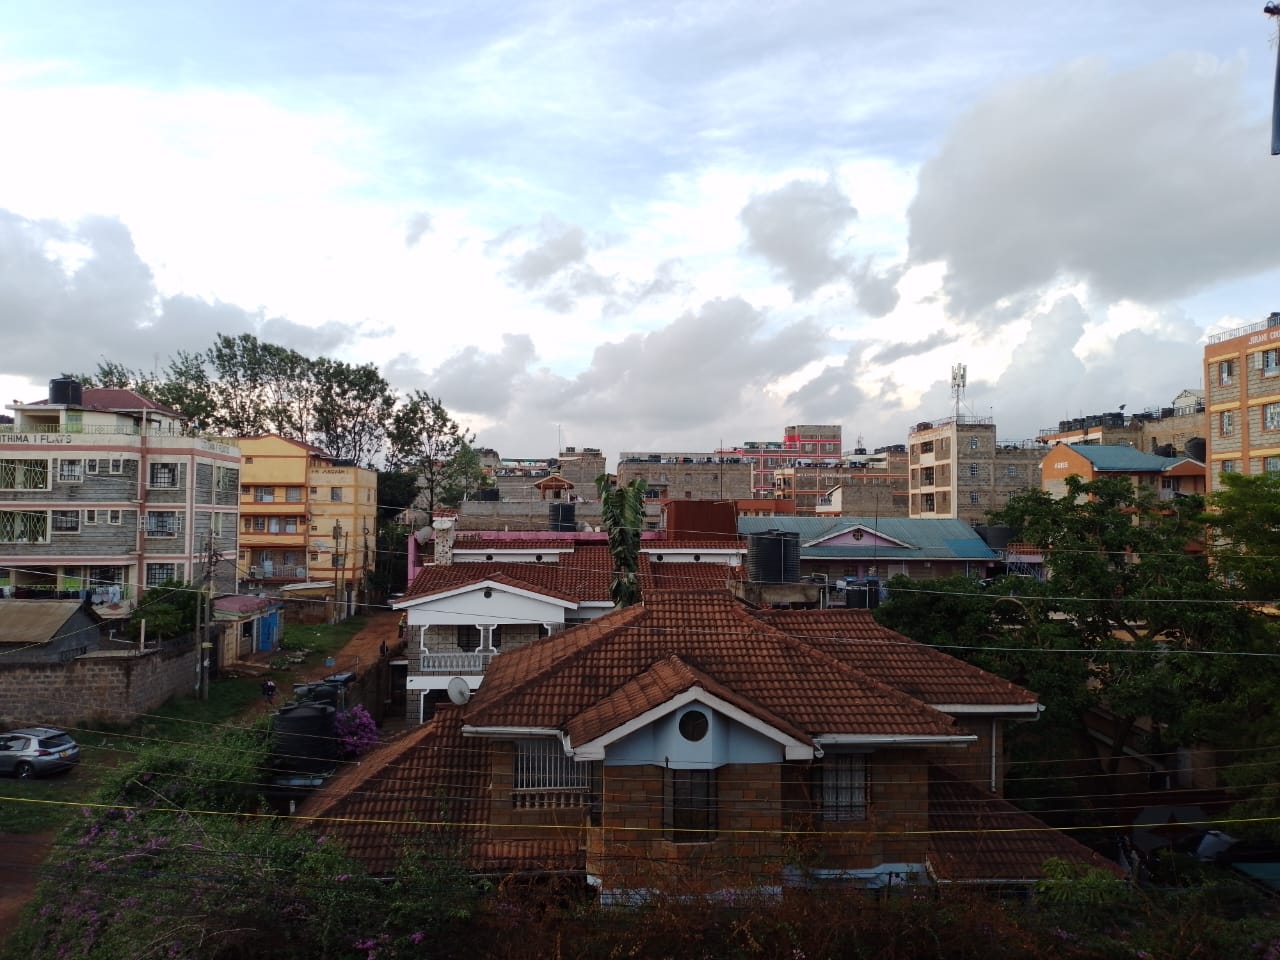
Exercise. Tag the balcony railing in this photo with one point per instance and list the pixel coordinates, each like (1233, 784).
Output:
(457, 664)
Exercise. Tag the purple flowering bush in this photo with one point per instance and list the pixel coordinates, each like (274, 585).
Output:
(356, 732)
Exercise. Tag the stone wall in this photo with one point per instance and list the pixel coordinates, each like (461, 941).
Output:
(114, 687)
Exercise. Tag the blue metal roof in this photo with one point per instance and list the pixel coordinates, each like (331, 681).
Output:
(925, 538)
(1124, 459)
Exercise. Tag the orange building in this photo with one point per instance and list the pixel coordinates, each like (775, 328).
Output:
(1242, 402)
(1168, 476)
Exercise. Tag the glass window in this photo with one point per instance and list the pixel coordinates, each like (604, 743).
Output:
(1270, 362)
(66, 521)
(973, 443)
(690, 805)
(91, 466)
(973, 469)
(975, 497)
(23, 526)
(541, 764)
(158, 573)
(264, 494)
(91, 516)
(293, 494)
(844, 787)
(1271, 464)
(117, 465)
(24, 474)
(164, 475)
(1271, 416)
(1227, 423)
(1229, 466)
(1226, 372)
(70, 471)
(163, 523)
(113, 516)
(335, 494)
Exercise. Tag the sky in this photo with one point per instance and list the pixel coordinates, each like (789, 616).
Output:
(647, 226)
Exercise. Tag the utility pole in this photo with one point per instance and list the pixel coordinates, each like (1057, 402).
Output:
(205, 613)
(338, 601)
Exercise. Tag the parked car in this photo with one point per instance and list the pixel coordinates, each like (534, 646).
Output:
(33, 751)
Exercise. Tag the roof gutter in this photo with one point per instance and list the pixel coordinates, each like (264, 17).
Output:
(509, 733)
(895, 740)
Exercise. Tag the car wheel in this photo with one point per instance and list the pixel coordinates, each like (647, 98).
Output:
(24, 771)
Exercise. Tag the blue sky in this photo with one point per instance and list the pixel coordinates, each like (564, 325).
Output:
(647, 226)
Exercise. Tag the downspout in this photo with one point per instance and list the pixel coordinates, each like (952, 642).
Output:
(139, 576)
(993, 754)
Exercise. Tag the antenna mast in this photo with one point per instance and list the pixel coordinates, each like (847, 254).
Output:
(959, 376)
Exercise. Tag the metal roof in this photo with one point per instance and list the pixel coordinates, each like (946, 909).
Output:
(925, 538)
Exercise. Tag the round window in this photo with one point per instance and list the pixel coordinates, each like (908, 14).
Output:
(693, 725)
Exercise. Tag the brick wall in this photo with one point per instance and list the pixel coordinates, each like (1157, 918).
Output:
(113, 686)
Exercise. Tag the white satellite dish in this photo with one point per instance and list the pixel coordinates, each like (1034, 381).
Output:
(459, 691)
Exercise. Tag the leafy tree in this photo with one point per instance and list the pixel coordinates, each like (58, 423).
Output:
(424, 438)
(622, 512)
(1245, 520)
(352, 407)
(466, 476)
(168, 610)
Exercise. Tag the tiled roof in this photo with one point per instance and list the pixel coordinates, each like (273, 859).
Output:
(927, 538)
(977, 838)
(1123, 458)
(704, 575)
(488, 543)
(430, 782)
(924, 672)
(113, 399)
(551, 681)
(582, 576)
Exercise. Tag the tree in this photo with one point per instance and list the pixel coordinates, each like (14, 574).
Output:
(168, 610)
(352, 407)
(424, 438)
(1245, 520)
(622, 512)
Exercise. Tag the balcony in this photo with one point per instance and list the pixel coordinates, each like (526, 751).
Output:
(457, 664)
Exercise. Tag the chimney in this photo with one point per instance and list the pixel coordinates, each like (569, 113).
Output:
(445, 533)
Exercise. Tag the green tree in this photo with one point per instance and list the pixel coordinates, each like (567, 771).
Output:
(425, 439)
(352, 407)
(622, 512)
(167, 610)
(1245, 521)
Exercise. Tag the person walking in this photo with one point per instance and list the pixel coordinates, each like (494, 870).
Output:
(269, 691)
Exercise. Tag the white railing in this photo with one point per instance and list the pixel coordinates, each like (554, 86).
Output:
(457, 664)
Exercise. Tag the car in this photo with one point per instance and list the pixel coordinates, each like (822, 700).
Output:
(33, 751)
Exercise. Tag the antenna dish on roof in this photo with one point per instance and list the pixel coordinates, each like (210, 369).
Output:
(459, 691)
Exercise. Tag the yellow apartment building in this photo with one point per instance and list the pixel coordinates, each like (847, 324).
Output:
(1242, 401)
(304, 517)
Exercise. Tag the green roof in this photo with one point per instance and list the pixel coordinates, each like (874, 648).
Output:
(1124, 459)
(924, 538)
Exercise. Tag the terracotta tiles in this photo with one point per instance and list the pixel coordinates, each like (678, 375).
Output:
(924, 672)
(977, 838)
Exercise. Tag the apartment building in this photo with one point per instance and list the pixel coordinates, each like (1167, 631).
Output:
(1173, 430)
(1242, 382)
(814, 442)
(687, 476)
(959, 468)
(1168, 477)
(305, 517)
(104, 493)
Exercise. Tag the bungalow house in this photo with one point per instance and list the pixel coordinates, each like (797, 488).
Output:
(486, 595)
(878, 547)
(48, 631)
(695, 744)
(1168, 476)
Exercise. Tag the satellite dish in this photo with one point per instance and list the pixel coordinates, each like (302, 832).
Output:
(459, 691)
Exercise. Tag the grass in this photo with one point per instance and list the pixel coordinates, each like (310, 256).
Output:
(49, 803)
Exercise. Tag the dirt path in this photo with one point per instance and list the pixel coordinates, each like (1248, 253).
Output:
(23, 855)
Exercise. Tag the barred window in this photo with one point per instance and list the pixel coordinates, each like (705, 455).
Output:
(71, 471)
(541, 764)
(164, 475)
(163, 523)
(23, 526)
(844, 787)
(158, 573)
(24, 474)
(293, 494)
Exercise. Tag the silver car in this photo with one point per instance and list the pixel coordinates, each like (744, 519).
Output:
(33, 751)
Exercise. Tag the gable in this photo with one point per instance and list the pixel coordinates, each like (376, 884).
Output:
(858, 535)
(694, 734)
(487, 601)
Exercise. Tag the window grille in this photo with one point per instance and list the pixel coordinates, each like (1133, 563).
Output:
(158, 573)
(163, 523)
(24, 474)
(844, 787)
(690, 808)
(164, 475)
(71, 471)
(66, 521)
(23, 526)
(545, 777)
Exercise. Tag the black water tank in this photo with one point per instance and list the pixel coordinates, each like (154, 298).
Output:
(562, 517)
(302, 737)
(774, 557)
(1196, 448)
(490, 495)
(862, 594)
(65, 390)
(994, 535)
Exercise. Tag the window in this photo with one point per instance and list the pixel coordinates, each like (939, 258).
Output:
(926, 447)
(117, 465)
(314, 555)
(248, 459)
(113, 516)
(91, 466)
(1011, 471)
(485, 636)
(293, 494)
(844, 787)
(926, 477)
(259, 524)
(66, 521)
(926, 503)
(158, 573)
(314, 491)
(1271, 464)
(264, 494)
(1226, 372)
(227, 479)
(74, 421)
(23, 526)
(24, 474)
(335, 494)
(690, 805)
(975, 497)
(163, 523)
(541, 764)
(215, 523)
(1271, 416)
(71, 471)
(91, 516)
(973, 443)
(1226, 423)
(1229, 466)
(163, 475)
(973, 470)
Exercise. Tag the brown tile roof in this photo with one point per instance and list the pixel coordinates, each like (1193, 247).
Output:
(582, 576)
(430, 782)
(924, 672)
(665, 575)
(553, 680)
(490, 544)
(977, 838)
(115, 399)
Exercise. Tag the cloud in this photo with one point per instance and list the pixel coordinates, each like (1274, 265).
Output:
(795, 229)
(471, 380)
(418, 226)
(558, 247)
(898, 351)
(877, 292)
(1148, 183)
